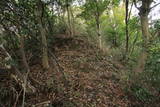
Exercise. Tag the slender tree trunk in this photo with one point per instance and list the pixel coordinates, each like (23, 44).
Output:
(42, 30)
(44, 47)
(69, 19)
(72, 20)
(98, 33)
(127, 35)
(23, 55)
(100, 41)
(97, 17)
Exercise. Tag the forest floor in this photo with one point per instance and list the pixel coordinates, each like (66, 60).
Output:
(86, 77)
(82, 76)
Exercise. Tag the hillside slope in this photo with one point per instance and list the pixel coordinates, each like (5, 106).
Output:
(81, 76)
(93, 80)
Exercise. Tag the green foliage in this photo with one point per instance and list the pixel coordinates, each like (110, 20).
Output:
(146, 85)
(153, 65)
(113, 27)
(90, 8)
(141, 93)
(157, 24)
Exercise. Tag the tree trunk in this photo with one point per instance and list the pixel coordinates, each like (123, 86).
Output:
(144, 12)
(69, 19)
(44, 47)
(73, 21)
(97, 18)
(100, 41)
(23, 56)
(145, 34)
(127, 35)
(42, 30)
(98, 33)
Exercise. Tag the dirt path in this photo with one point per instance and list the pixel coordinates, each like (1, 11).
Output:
(93, 81)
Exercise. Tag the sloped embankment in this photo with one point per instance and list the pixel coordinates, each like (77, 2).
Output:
(92, 78)
(85, 78)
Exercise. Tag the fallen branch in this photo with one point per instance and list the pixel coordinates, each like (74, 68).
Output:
(44, 104)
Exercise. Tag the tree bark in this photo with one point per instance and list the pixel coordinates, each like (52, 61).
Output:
(73, 21)
(145, 34)
(97, 17)
(144, 12)
(45, 62)
(98, 33)
(23, 55)
(44, 47)
(69, 19)
(127, 35)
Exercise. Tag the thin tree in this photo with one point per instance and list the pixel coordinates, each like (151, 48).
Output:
(69, 18)
(126, 22)
(40, 18)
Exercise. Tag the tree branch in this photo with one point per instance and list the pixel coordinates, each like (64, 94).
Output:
(135, 4)
(130, 10)
(154, 6)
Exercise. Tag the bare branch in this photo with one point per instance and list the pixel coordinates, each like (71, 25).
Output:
(154, 6)
(135, 4)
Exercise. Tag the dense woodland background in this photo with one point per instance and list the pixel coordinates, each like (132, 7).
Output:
(79, 53)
